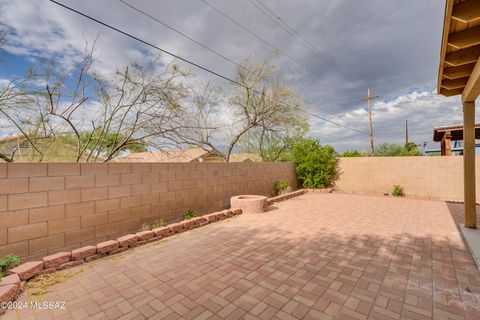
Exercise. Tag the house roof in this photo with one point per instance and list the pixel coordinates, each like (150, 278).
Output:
(456, 132)
(187, 155)
(242, 157)
(459, 70)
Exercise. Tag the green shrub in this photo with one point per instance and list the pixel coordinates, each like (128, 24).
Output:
(8, 262)
(158, 223)
(145, 227)
(317, 165)
(189, 214)
(398, 191)
(281, 186)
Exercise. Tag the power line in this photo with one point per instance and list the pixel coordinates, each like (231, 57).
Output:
(216, 53)
(287, 28)
(180, 33)
(190, 62)
(252, 33)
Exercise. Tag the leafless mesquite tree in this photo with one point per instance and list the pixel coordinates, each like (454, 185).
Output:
(261, 108)
(101, 116)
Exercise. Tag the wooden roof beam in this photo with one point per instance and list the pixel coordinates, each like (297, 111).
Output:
(462, 57)
(466, 12)
(472, 88)
(465, 38)
(458, 72)
(449, 93)
(455, 84)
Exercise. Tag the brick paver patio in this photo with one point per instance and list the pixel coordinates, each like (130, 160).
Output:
(318, 256)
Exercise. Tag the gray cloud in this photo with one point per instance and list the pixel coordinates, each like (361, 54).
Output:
(391, 46)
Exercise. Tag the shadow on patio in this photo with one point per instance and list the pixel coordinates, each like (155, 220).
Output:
(318, 256)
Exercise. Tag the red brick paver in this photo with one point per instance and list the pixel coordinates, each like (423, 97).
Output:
(318, 256)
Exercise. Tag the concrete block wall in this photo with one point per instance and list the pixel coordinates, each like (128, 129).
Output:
(47, 208)
(427, 177)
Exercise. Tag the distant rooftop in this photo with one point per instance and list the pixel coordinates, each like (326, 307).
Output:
(456, 132)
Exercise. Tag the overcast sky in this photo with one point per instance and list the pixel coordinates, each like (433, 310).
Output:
(391, 46)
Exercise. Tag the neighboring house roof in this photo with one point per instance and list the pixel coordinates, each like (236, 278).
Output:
(456, 132)
(187, 155)
(245, 157)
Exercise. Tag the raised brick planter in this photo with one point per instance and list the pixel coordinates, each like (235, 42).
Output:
(249, 203)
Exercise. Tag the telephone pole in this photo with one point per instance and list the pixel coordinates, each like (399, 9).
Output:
(370, 98)
(406, 132)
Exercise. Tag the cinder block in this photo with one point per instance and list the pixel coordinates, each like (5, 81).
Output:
(107, 180)
(140, 189)
(63, 169)
(107, 205)
(98, 193)
(130, 224)
(13, 218)
(107, 229)
(62, 225)
(129, 202)
(141, 167)
(131, 178)
(63, 196)
(79, 208)
(93, 168)
(27, 200)
(27, 170)
(119, 168)
(119, 191)
(26, 232)
(79, 235)
(94, 219)
(18, 248)
(46, 184)
(79, 182)
(46, 213)
(119, 215)
(13, 185)
(43, 244)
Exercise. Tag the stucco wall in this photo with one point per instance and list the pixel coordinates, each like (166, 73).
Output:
(46, 208)
(429, 177)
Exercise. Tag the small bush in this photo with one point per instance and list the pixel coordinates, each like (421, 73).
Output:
(158, 223)
(189, 214)
(281, 186)
(8, 262)
(317, 165)
(145, 227)
(398, 191)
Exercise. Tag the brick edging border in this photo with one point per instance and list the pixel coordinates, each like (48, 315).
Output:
(14, 283)
(297, 193)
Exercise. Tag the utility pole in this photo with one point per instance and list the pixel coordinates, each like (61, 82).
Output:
(406, 132)
(370, 98)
